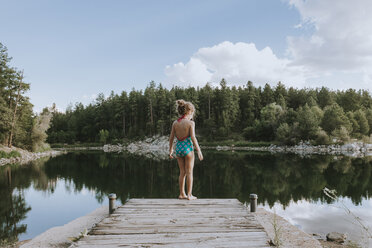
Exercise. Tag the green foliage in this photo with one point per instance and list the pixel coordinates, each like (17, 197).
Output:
(283, 133)
(249, 112)
(65, 145)
(12, 154)
(308, 121)
(342, 134)
(16, 116)
(103, 136)
(40, 126)
(363, 126)
(271, 116)
(43, 147)
(325, 97)
(369, 119)
(288, 135)
(321, 138)
(367, 140)
(334, 117)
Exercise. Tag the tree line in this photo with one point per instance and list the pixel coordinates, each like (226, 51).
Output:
(19, 126)
(279, 113)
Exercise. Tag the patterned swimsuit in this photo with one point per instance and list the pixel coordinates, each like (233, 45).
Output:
(184, 147)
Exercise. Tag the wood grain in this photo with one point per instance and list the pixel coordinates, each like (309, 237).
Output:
(178, 223)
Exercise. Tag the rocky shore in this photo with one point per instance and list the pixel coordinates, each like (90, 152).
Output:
(26, 156)
(157, 147)
(355, 149)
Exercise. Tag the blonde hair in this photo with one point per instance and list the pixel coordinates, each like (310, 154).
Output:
(184, 107)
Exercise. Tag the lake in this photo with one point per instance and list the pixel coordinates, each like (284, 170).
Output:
(52, 192)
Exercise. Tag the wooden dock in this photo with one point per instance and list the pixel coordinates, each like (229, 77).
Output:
(178, 223)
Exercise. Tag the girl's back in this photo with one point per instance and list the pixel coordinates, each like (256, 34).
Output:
(182, 128)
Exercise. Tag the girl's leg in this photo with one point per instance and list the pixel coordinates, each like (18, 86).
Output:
(181, 178)
(189, 166)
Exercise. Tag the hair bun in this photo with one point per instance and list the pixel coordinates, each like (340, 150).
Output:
(184, 107)
(180, 102)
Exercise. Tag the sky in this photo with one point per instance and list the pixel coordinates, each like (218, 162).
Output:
(71, 51)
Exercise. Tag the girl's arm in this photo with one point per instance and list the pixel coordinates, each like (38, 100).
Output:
(194, 141)
(171, 138)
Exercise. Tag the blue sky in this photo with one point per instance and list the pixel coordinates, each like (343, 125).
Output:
(72, 50)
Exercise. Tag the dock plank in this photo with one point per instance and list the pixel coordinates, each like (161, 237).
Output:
(178, 223)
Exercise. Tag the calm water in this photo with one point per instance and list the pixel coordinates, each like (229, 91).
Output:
(51, 192)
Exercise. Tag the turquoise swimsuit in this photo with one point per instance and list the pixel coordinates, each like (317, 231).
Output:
(184, 147)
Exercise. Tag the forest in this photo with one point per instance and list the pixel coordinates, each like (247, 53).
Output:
(19, 126)
(281, 114)
(249, 113)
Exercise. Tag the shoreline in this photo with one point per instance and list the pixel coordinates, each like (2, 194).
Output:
(288, 234)
(356, 149)
(26, 156)
(157, 148)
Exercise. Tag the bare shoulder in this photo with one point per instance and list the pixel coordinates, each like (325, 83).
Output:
(174, 122)
(192, 123)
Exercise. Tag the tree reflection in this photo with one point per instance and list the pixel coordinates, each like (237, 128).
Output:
(13, 209)
(275, 178)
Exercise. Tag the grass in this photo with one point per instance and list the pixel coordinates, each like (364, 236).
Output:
(81, 235)
(12, 154)
(277, 231)
(367, 234)
(8, 242)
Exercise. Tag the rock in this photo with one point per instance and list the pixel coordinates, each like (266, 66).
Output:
(26, 156)
(157, 147)
(350, 147)
(336, 237)
(154, 147)
(368, 147)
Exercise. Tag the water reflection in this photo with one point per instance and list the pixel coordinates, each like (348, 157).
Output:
(321, 218)
(283, 179)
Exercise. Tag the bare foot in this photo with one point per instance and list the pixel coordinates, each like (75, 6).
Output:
(182, 197)
(191, 197)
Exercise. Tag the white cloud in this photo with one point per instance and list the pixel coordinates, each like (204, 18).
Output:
(237, 63)
(193, 72)
(340, 42)
(335, 51)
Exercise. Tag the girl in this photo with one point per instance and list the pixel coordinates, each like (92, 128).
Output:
(184, 130)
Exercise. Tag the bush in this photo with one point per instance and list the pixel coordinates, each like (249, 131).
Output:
(222, 132)
(367, 140)
(43, 148)
(249, 133)
(342, 134)
(103, 136)
(12, 154)
(322, 138)
(283, 133)
(288, 135)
